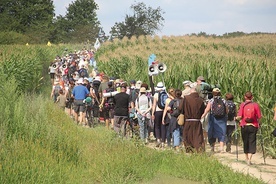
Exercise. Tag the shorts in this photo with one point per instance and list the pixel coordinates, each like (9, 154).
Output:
(108, 113)
(52, 75)
(79, 106)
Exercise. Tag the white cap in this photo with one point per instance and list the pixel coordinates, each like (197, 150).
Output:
(80, 81)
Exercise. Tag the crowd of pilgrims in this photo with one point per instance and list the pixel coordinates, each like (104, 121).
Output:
(116, 102)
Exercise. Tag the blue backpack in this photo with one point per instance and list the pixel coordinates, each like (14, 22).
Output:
(162, 96)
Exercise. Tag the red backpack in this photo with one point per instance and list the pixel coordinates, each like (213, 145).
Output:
(249, 112)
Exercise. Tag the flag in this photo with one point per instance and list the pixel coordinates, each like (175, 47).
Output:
(151, 59)
(97, 44)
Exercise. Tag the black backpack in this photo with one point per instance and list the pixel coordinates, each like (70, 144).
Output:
(218, 108)
(83, 72)
(110, 100)
(174, 111)
(96, 86)
(231, 110)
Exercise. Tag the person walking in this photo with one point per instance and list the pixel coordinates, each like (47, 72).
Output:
(217, 119)
(121, 110)
(80, 92)
(193, 107)
(231, 123)
(52, 71)
(108, 106)
(143, 106)
(249, 115)
(166, 120)
(61, 100)
(157, 114)
(187, 88)
(173, 110)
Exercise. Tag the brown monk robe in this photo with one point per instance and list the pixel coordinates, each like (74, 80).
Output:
(193, 108)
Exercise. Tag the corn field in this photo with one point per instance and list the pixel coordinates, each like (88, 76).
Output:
(236, 64)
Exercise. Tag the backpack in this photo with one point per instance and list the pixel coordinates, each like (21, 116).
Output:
(56, 90)
(231, 110)
(83, 72)
(110, 100)
(137, 100)
(218, 108)
(96, 85)
(134, 94)
(174, 111)
(249, 112)
(162, 96)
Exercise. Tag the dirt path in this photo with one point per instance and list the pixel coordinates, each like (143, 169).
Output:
(265, 172)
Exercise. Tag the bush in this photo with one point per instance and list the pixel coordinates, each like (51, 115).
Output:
(11, 37)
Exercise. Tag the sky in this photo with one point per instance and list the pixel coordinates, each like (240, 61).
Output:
(192, 16)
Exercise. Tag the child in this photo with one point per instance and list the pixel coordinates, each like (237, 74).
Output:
(61, 99)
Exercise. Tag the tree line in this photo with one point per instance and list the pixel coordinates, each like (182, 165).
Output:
(34, 21)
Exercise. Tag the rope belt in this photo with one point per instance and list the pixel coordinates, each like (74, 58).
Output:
(192, 119)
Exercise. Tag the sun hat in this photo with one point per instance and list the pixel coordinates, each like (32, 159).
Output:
(200, 78)
(80, 81)
(216, 90)
(160, 86)
(186, 82)
(143, 90)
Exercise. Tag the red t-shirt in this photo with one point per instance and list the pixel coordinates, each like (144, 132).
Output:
(258, 114)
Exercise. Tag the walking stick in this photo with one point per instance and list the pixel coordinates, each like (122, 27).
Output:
(262, 144)
(236, 138)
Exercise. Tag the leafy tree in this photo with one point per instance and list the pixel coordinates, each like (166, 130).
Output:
(79, 24)
(30, 17)
(144, 21)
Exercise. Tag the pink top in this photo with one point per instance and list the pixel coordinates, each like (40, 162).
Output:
(258, 115)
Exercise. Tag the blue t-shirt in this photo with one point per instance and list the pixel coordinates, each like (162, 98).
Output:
(80, 92)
